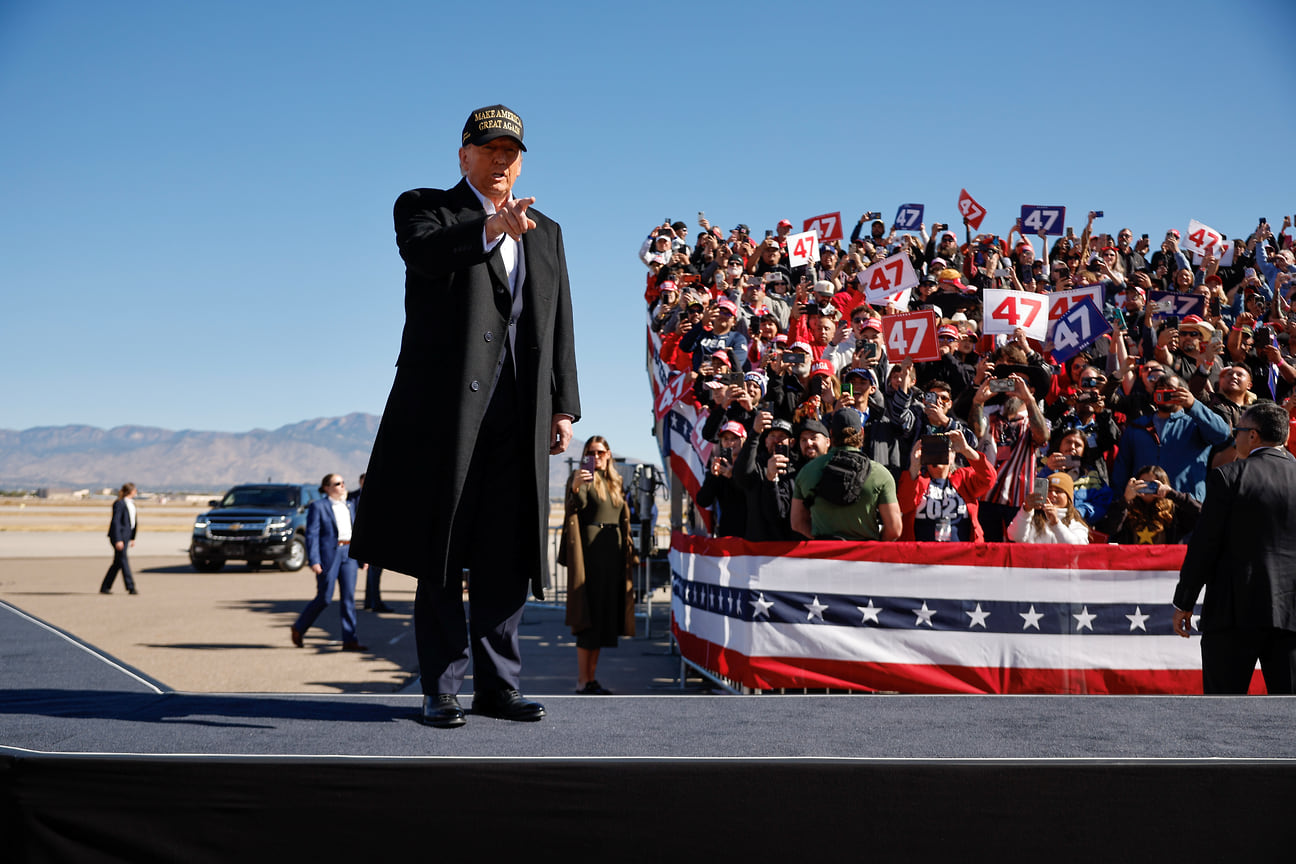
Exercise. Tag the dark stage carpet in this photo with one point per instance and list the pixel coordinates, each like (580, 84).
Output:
(98, 762)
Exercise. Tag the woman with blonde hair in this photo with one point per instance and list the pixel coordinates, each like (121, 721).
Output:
(1052, 519)
(598, 553)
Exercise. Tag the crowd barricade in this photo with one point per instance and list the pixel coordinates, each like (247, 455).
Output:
(933, 617)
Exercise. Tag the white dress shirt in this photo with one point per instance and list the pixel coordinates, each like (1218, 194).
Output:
(342, 516)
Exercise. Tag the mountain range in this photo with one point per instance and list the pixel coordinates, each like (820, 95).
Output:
(194, 460)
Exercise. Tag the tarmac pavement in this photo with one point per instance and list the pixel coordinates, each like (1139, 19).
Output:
(228, 631)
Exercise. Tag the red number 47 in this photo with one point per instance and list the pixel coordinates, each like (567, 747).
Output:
(879, 281)
(1008, 311)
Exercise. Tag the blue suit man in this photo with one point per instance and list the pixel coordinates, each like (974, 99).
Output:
(327, 544)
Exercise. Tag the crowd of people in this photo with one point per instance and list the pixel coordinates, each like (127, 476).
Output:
(819, 433)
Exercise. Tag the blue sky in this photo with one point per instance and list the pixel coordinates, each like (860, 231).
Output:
(196, 228)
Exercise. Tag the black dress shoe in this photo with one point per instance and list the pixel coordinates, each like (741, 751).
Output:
(296, 636)
(507, 704)
(381, 607)
(354, 646)
(443, 711)
(593, 688)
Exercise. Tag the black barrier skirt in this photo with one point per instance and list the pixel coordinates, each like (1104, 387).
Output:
(86, 809)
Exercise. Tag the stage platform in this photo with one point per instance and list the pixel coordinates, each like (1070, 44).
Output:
(100, 762)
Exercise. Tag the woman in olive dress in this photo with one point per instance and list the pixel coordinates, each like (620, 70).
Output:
(598, 553)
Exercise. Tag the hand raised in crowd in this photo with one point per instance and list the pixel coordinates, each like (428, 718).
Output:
(937, 411)
(1041, 503)
(1050, 512)
(742, 396)
(961, 447)
(1022, 389)
(1019, 336)
(580, 478)
(915, 457)
(1134, 488)
(761, 422)
(721, 467)
(774, 466)
(1182, 397)
(1059, 462)
(843, 330)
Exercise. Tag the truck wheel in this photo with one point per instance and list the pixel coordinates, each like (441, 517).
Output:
(296, 555)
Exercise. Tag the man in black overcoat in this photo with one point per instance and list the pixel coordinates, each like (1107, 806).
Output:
(1243, 551)
(485, 389)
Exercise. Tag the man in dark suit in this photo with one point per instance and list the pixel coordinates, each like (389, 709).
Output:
(121, 534)
(485, 388)
(1244, 551)
(328, 534)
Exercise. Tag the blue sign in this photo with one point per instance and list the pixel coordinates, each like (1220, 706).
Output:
(908, 218)
(1052, 220)
(1165, 304)
(1077, 329)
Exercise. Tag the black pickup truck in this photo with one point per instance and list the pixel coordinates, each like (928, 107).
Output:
(256, 523)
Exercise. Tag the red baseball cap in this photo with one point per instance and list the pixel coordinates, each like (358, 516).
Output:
(735, 427)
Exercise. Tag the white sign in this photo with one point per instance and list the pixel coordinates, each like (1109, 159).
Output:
(1005, 311)
(887, 278)
(802, 248)
(1061, 301)
(1202, 239)
(1225, 260)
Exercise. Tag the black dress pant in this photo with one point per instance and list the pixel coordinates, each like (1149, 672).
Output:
(1229, 657)
(120, 562)
(493, 538)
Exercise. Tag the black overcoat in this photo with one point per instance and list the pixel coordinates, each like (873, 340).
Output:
(1243, 549)
(457, 308)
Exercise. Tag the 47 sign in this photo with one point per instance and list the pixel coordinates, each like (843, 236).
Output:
(802, 248)
(828, 226)
(911, 335)
(1050, 220)
(1203, 239)
(1006, 310)
(908, 218)
(887, 278)
(971, 210)
(1079, 327)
